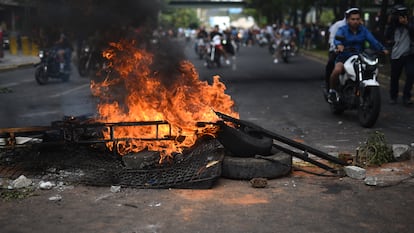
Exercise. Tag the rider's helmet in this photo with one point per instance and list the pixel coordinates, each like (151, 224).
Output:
(351, 11)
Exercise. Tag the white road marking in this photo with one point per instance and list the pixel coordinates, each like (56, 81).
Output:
(12, 84)
(40, 113)
(69, 91)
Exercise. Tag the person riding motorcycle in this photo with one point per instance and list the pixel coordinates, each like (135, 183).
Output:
(216, 37)
(64, 52)
(285, 32)
(201, 35)
(354, 35)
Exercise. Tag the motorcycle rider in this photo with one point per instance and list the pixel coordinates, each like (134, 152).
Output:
(332, 53)
(64, 51)
(215, 37)
(354, 35)
(285, 32)
(201, 35)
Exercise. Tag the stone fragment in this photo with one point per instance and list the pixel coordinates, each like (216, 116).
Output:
(115, 189)
(57, 197)
(46, 185)
(401, 152)
(21, 182)
(384, 181)
(355, 172)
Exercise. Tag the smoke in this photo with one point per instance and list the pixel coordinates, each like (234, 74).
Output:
(83, 18)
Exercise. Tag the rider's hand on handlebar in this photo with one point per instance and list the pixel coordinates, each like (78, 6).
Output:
(340, 48)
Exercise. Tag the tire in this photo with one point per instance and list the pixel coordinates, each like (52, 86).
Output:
(285, 56)
(273, 166)
(41, 76)
(65, 77)
(368, 112)
(337, 109)
(217, 58)
(244, 142)
(82, 69)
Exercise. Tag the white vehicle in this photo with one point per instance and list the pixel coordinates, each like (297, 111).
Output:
(358, 88)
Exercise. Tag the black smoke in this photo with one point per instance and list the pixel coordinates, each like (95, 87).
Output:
(79, 19)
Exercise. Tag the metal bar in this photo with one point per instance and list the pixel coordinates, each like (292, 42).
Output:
(304, 157)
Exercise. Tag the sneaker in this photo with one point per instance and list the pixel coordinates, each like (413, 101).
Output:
(407, 102)
(333, 97)
(393, 101)
(275, 61)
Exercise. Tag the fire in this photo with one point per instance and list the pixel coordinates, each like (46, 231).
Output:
(133, 92)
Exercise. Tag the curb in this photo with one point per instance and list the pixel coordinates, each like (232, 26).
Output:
(16, 66)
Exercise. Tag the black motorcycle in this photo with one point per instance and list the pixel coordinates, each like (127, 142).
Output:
(286, 50)
(90, 61)
(52, 65)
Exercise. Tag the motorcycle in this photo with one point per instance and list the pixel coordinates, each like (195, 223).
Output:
(51, 65)
(285, 50)
(358, 88)
(201, 48)
(213, 55)
(89, 62)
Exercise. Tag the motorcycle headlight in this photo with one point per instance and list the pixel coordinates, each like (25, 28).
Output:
(370, 62)
(86, 49)
(41, 54)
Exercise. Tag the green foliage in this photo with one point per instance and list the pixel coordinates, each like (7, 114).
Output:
(375, 151)
(327, 17)
(180, 18)
(14, 194)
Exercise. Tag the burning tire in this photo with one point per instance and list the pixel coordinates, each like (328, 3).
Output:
(244, 142)
(273, 166)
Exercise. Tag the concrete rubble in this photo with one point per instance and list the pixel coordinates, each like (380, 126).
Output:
(355, 172)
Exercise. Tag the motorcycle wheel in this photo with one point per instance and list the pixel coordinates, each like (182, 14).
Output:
(337, 109)
(369, 110)
(65, 77)
(41, 76)
(217, 58)
(285, 56)
(82, 69)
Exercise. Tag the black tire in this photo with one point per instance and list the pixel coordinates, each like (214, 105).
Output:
(337, 109)
(285, 56)
(217, 58)
(82, 69)
(368, 112)
(244, 142)
(273, 166)
(41, 76)
(65, 77)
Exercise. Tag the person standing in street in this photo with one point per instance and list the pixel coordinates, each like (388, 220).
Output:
(400, 35)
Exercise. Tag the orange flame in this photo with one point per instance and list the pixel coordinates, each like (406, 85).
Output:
(183, 102)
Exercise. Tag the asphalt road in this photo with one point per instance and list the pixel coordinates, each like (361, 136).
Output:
(285, 98)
